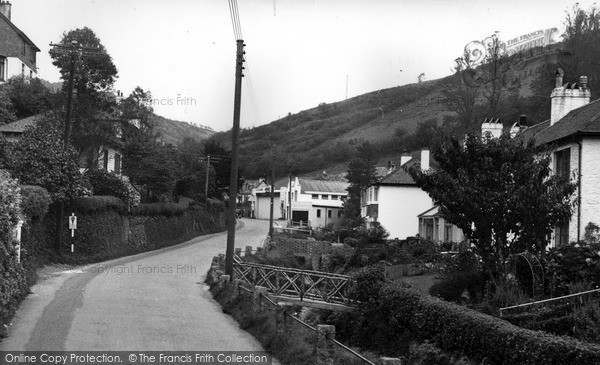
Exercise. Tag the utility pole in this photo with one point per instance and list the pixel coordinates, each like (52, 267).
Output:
(208, 160)
(290, 203)
(73, 50)
(235, 132)
(272, 193)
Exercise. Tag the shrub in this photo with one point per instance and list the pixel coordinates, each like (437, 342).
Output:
(166, 209)
(98, 203)
(35, 201)
(568, 264)
(108, 183)
(13, 285)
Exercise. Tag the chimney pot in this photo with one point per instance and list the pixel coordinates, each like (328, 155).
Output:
(559, 77)
(523, 120)
(5, 9)
(425, 159)
(583, 80)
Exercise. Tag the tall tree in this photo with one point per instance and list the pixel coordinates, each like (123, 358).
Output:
(500, 192)
(94, 104)
(361, 174)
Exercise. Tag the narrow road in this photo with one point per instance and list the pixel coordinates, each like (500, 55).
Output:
(151, 301)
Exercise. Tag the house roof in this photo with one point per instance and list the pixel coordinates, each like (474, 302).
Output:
(431, 212)
(324, 186)
(19, 32)
(399, 176)
(578, 122)
(20, 125)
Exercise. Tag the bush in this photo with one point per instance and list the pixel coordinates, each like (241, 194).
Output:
(35, 201)
(165, 209)
(569, 264)
(98, 203)
(108, 183)
(13, 285)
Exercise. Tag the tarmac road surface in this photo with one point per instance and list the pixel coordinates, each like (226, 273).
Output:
(154, 301)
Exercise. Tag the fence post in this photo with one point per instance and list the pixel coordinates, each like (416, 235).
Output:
(236, 287)
(389, 361)
(248, 251)
(259, 250)
(223, 280)
(280, 320)
(257, 294)
(238, 251)
(324, 350)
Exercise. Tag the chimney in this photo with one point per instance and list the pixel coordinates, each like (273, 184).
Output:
(567, 97)
(425, 159)
(492, 127)
(5, 8)
(559, 78)
(404, 158)
(391, 166)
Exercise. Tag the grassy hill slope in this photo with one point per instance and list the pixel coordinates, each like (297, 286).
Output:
(324, 137)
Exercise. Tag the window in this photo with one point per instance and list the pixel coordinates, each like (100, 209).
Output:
(563, 163)
(562, 234)
(376, 194)
(315, 196)
(318, 213)
(447, 232)
(2, 69)
(329, 214)
(117, 164)
(105, 160)
(339, 213)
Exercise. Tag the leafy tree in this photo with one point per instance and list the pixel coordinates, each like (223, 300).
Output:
(95, 70)
(499, 192)
(582, 42)
(94, 104)
(361, 175)
(39, 158)
(28, 96)
(138, 105)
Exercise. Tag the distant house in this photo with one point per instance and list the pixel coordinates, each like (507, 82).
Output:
(315, 203)
(260, 200)
(572, 136)
(17, 51)
(395, 200)
(13, 131)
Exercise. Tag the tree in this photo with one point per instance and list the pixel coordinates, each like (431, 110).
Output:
(500, 192)
(28, 96)
(39, 158)
(582, 42)
(138, 105)
(94, 104)
(361, 175)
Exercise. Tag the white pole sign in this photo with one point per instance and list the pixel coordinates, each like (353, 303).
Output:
(72, 227)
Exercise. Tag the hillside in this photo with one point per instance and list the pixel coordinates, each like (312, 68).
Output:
(323, 138)
(174, 131)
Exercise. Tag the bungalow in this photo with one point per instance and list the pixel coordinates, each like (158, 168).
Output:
(572, 136)
(17, 51)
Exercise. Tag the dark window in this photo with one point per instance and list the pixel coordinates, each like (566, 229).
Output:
(117, 163)
(329, 213)
(318, 213)
(315, 196)
(105, 160)
(562, 234)
(563, 163)
(339, 213)
(2, 68)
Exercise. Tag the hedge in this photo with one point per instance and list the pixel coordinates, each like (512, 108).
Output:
(477, 335)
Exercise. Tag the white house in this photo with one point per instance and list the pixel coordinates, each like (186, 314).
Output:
(395, 201)
(572, 136)
(315, 203)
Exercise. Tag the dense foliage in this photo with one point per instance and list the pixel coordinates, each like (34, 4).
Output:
(39, 158)
(500, 192)
(108, 183)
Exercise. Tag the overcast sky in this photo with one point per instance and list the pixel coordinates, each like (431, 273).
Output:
(299, 52)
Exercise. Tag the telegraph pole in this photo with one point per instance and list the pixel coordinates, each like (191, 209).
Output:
(206, 183)
(272, 194)
(73, 50)
(235, 132)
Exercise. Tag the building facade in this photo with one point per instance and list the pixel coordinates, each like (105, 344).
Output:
(17, 52)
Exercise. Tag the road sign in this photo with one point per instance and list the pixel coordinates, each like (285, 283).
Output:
(73, 221)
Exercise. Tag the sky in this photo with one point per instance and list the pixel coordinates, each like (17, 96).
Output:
(299, 53)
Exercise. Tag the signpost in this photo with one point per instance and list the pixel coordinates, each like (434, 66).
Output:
(73, 227)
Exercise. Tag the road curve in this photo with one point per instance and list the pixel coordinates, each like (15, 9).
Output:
(151, 301)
